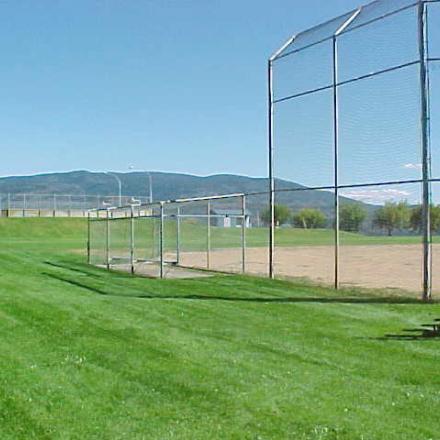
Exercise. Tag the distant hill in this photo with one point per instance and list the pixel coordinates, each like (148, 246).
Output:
(168, 186)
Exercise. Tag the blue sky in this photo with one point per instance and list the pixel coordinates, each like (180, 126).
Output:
(163, 85)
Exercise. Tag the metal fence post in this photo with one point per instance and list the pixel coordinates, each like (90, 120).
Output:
(335, 159)
(178, 235)
(208, 236)
(88, 238)
(426, 192)
(271, 171)
(243, 234)
(24, 205)
(107, 240)
(132, 239)
(161, 240)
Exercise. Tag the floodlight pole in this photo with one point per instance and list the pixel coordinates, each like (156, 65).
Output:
(271, 171)
(426, 193)
(119, 186)
(150, 186)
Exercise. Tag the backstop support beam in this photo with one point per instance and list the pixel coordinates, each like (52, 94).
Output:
(426, 190)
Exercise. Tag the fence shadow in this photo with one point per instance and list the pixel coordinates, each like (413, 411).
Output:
(110, 291)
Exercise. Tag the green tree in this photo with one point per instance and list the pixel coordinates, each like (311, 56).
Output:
(392, 216)
(351, 217)
(283, 214)
(309, 218)
(416, 218)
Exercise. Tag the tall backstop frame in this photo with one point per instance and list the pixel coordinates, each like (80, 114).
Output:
(354, 156)
(324, 55)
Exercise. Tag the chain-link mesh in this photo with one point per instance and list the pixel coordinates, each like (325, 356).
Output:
(350, 103)
(97, 241)
(304, 235)
(58, 205)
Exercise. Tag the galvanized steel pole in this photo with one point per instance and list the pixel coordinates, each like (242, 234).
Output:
(161, 240)
(271, 171)
(426, 191)
(107, 240)
(132, 240)
(178, 236)
(208, 237)
(243, 234)
(88, 238)
(335, 160)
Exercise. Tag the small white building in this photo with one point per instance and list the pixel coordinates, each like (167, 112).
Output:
(230, 218)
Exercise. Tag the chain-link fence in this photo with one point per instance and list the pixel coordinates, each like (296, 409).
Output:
(201, 233)
(353, 196)
(58, 205)
(354, 122)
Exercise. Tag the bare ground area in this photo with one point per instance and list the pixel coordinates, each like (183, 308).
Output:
(371, 266)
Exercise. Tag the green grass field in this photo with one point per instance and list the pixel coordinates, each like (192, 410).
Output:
(194, 236)
(90, 354)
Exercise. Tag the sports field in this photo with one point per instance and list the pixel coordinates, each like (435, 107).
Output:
(371, 261)
(372, 266)
(92, 354)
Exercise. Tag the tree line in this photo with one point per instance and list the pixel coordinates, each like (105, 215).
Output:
(390, 217)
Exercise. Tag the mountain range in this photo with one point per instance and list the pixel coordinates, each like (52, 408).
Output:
(170, 186)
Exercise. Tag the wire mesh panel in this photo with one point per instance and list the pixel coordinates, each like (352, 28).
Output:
(434, 29)
(303, 73)
(435, 230)
(193, 228)
(170, 234)
(98, 241)
(304, 235)
(354, 116)
(228, 221)
(380, 45)
(257, 234)
(434, 79)
(381, 238)
(303, 141)
(147, 238)
(379, 128)
(119, 237)
(377, 10)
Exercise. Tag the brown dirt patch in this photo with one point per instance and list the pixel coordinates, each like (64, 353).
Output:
(371, 266)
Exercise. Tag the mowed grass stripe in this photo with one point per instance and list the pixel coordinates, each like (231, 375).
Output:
(116, 356)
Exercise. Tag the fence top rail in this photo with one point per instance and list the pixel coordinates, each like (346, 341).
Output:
(170, 202)
(68, 195)
(342, 24)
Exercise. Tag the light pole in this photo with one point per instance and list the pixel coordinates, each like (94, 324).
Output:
(119, 185)
(150, 182)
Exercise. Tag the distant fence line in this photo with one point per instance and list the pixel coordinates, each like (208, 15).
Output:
(63, 205)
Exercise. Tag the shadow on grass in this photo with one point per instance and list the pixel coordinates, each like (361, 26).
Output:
(232, 298)
(428, 331)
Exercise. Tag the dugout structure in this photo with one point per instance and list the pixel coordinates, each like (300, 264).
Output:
(171, 238)
(354, 111)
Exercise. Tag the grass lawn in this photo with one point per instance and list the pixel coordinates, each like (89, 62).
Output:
(90, 354)
(194, 236)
